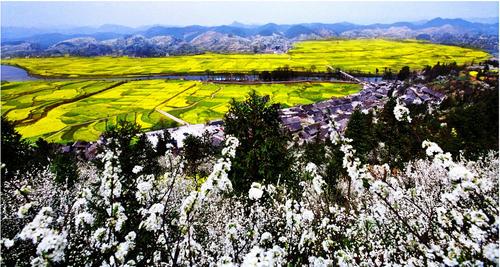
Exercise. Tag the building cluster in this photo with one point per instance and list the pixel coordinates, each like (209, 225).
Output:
(308, 122)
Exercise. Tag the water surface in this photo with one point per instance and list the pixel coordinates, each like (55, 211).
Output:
(11, 74)
(14, 74)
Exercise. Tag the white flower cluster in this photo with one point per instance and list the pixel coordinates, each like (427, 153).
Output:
(51, 242)
(434, 151)
(217, 181)
(401, 112)
(154, 219)
(255, 191)
(264, 257)
(317, 181)
(435, 212)
(210, 192)
(111, 186)
(23, 210)
(352, 164)
(124, 247)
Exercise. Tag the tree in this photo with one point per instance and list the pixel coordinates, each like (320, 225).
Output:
(164, 138)
(475, 124)
(65, 169)
(16, 152)
(262, 154)
(127, 158)
(208, 72)
(360, 130)
(313, 68)
(404, 73)
(136, 150)
(400, 143)
(325, 153)
(387, 74)
(195, 150)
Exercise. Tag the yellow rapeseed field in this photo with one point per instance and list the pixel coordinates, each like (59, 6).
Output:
(69, 111)
(363, 55)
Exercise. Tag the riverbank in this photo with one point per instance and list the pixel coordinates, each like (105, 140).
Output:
(17, 73)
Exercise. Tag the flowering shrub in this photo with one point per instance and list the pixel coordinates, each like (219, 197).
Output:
(401, 112)
(434, 211)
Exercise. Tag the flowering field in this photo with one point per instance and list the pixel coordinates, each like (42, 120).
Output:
(79, 110)
(364, 55)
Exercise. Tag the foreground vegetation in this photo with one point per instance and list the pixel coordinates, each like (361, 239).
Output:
(405, 185)
(362, 55)
(80, 110)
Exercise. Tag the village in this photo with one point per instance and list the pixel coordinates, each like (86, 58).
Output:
(305, 122)
(308, 122)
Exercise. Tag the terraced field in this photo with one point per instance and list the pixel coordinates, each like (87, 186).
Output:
(79, 110)
(363, 55)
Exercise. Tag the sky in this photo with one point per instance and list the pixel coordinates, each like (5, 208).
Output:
(134, 14)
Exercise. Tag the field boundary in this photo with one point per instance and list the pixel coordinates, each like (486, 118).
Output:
(166, 114)
(48, 108)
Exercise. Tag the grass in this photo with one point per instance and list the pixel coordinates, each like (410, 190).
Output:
(80, 110)
(363, 55)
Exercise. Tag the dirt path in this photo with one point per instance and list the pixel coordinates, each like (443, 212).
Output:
(172, 117)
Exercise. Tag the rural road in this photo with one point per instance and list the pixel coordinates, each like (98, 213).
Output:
(172, 117)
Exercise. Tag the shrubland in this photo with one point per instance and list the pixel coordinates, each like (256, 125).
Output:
(404, 185)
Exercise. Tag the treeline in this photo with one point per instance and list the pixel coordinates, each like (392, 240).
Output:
(430, 73)
(288, 74)
(22, 156)
(280, 74)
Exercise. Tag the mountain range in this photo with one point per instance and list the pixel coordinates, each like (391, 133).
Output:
(160, 40)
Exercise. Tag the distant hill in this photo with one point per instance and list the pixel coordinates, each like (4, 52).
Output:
(236, 37)
(297, 30)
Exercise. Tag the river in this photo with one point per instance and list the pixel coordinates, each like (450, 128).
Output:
(11, 74)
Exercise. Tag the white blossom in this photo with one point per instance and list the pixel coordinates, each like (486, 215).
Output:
(23, 210)
(7, 242)
(308, 215)
(491, 252)
(84, 218)
(255, 191)
(460, 172)
(266, 236)
(401, 112)
(137, 169)
(431, 148)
